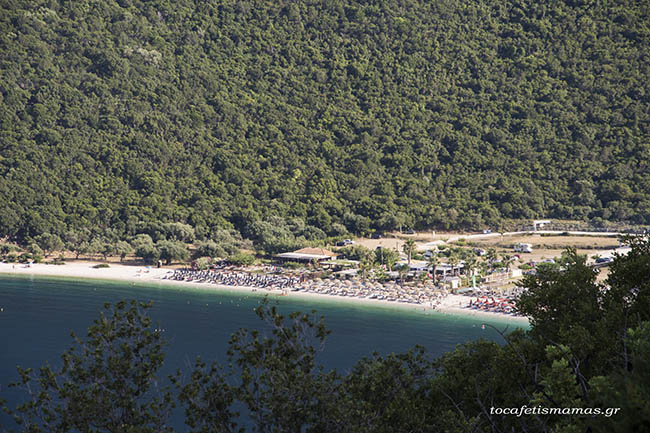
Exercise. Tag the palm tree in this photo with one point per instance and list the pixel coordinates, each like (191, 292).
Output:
(433, 262)
(409, 248)
(471, 262)
(366, 264)
(482, 267)
(507, 261)
(491, 256)
(403, 272)
(391, 257)
(453, 261)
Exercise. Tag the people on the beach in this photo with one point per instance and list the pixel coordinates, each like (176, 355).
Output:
(389, 291)
(424, 295)
(504, 305)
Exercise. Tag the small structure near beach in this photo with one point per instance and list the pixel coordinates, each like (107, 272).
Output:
(538, 224)
(307, 255)
(453, 282)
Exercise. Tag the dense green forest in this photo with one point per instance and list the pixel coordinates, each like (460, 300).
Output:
(333, 114)
(588, 349)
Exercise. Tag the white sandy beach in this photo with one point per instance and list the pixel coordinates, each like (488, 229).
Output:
(452, 304)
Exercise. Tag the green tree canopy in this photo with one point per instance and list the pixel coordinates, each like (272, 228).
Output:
(170, 251)
(178, 119)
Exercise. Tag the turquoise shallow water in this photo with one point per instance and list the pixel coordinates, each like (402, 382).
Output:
(39, 313)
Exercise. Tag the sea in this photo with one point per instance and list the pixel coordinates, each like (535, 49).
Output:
(37, 315)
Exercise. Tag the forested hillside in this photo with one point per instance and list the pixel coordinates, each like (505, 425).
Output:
(372, 114)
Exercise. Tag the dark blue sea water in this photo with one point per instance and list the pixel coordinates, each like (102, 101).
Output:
(39, 313)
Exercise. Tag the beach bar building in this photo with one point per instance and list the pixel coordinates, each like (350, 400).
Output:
(417, 267)
(445, 269)
(307, 255)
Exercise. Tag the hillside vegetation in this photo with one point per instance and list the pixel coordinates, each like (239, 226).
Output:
(370, 114)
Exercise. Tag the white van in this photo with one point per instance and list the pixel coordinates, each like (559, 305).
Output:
(523, 248)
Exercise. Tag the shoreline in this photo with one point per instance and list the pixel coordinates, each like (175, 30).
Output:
(454, 305)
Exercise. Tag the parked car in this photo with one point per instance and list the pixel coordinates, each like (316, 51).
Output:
(377, 235)
(410, 232)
